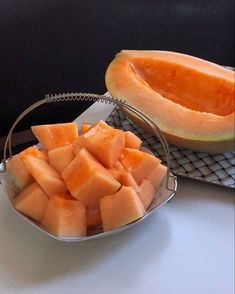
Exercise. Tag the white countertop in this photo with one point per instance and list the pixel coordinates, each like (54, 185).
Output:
(186, 247)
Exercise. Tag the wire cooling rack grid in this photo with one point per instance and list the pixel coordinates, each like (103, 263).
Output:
(217, 169)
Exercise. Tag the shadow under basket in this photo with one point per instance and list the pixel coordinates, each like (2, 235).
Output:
(166, 191)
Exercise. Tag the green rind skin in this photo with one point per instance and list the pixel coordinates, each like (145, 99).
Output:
(212, 147)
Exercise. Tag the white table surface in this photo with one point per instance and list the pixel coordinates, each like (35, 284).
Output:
(186, 247)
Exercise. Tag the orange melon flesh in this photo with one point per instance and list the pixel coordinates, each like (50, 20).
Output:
(78, 145)
(131, 140)
(48, 178)
(65, 216)
(126, 179)
(119, 166)
(85, 127)
(116, 171)
(191, 100)
(19, 173)
(138, 163)
(157, 175)
(55, 135)
(32, 201)
(180, 88)
(88, 180)
(35, 152)
(93, 218)
(146, 193)
(60, 158)
(105, 143)
(121, 208)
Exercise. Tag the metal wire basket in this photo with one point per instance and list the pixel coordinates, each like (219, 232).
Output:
(165, 193)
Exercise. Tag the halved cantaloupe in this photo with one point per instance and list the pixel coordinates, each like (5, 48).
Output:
(138, 163)
(93, 218)
(56, 135)
(157, 175)
(65, 216)
(131, 140)
(146, 193)
(32, 201)
(48, 178)
(121, 208)
(60, 158)
(88, 180)
(191, 100)
(19, 173)
(105, 143)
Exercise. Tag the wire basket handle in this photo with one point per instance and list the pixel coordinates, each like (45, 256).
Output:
(87, 97)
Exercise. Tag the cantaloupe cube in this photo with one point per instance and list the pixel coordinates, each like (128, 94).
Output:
(35, 152)
(157, 175)
(87, 179)
(105, 143)
(60, 158)
(119, 166)
(126, 179)
(48, 178)
(55, 135)
(78, 145)
(121, 208)
(65, 216)
(93, 218)
(146, 193)
(116, 171)
(32, 201)
(85, 127)
(19, 173)
(131, 140)
(138, 163)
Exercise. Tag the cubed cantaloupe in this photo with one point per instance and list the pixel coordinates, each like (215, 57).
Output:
(48, 178)
(131, 140)
(32, 201)
(146, 193)
(35, 152)
(93, 218)
(78, 145)
(56, 135)
(116, 171)
(110, 181)
(157, 175)
(105, 143)
(85, 127)
(19, 173)
(88, 180)
(121, 208)
(65, 216)
(138, 163)
(60, 158)
(126, 179)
